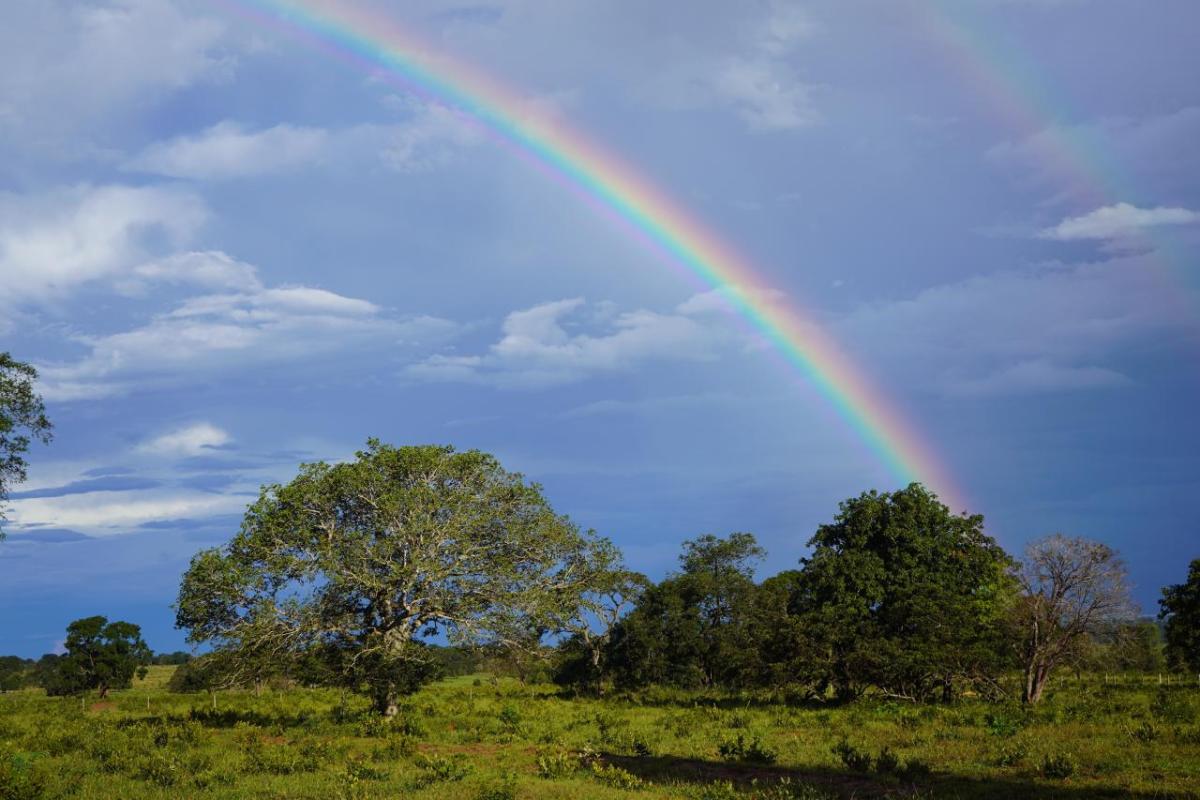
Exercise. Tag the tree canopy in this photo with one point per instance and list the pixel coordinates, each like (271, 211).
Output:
(100, 655)
(1180, 607)
(902, 594)
(368, 557)
(22, 419)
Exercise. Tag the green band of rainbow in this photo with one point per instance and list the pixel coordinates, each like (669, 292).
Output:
(380, 43)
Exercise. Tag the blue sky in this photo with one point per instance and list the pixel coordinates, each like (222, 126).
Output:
(228, 253)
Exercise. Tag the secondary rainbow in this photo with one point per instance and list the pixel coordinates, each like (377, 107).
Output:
(382, 46)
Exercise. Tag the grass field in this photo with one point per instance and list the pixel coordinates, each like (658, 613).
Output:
(480, 739)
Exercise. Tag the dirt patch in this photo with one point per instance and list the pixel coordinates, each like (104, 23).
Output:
(103, 705)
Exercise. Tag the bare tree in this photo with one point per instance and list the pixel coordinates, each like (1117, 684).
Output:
(1072, 588)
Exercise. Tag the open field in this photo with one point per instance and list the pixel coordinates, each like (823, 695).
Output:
(468, 738)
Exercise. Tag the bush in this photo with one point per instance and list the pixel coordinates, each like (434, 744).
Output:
(437, 769)
(752, 752)
(1010, 755)
(1058, 766)
(614, 776)
(560, 764)
(505, 789)
(852, 757)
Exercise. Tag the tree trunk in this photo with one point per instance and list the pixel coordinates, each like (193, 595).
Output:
(1035, 683)
(385, 700)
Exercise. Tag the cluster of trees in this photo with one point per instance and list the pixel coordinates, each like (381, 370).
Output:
(899, 595)
(345, 576)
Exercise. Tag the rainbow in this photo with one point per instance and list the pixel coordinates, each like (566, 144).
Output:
(1015, 91)
(380, 45)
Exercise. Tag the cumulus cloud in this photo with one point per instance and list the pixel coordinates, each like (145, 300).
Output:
(66, 64)
(543, 345)
(255, 326)
(192, 440)
(1039, 376)
(227, 150)
(1116, 221)
(53, 243)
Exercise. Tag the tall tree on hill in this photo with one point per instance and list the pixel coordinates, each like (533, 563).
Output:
(22, 419)
(100, 655)
(901, 594)
(1072, 589)
(1180, 607)
(366, 558)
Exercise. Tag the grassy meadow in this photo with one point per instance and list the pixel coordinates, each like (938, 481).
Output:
(479, 738)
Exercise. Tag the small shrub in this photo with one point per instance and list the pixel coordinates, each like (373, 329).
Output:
(437, 769)
(505, 789)
(614, 776)
(1010, 755)
(852, 757)
(1144, 733)
(752, 752)
(560, 764)
(510, 719)
(1058, 766)
(1003, 725)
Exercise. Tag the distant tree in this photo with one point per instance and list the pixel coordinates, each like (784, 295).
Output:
(692, 628)
(171, 659)
(22, 419)
(14, 673)
(1180, 607)
(901, 594)
(100, 655)
(369, 557)
(1072, 589)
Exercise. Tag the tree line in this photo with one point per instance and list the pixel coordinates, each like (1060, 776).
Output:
(348, 574)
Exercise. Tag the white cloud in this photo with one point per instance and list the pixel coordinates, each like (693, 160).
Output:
(118, 512)
(227, 150)
(192, 440)
(1116, 221)
(539, 345)
(67, 64)
(226, 332)
(52, 244)
(431, 136)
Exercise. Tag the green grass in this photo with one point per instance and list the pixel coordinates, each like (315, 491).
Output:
(478, 739)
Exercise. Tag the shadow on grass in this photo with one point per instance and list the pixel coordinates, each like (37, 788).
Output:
(847, 784)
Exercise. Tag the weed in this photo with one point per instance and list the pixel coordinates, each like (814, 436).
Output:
(438, 769)
(558, 764)
(852, 757)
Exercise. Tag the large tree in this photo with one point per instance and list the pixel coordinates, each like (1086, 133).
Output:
(100, 655)
(903, 595)
(22, 419)
(366, 558)
(1072, 590)
(1180, 607)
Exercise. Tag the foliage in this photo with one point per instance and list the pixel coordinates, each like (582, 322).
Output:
(22, 419)
(101, 655)
(901, 594)
(692, 629)
(367, 557)
(1180, 607)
